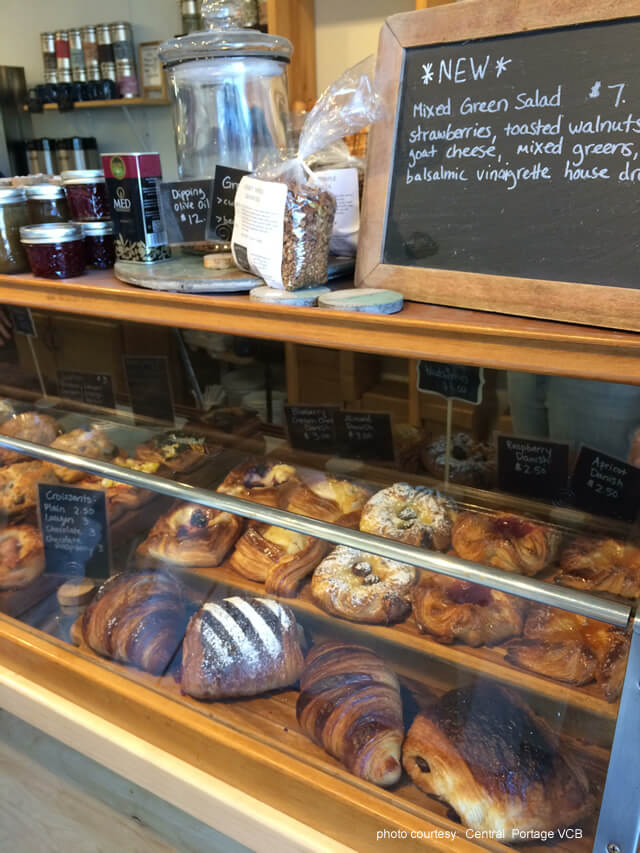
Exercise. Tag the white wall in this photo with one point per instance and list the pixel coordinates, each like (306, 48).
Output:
(347, 31)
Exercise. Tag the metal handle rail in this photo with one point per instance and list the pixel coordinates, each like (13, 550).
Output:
(541, 592)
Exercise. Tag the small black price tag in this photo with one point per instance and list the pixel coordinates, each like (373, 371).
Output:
(95, 389)
(184, 206)
(364, 435)
(22, 321)
(74, 530)
(453, 381)
(223, 202)
(312, 428)
(604, 485)
(150, 387)
(532, 467)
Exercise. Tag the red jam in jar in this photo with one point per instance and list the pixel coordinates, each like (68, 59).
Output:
(100, 244)
(54, 250)
(87, 195)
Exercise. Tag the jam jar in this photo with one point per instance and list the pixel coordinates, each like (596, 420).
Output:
(87, 194)
(55, 250)
(13, 216)
(47, 203)
(100, 244)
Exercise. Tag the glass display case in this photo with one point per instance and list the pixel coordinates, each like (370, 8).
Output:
(386, 590)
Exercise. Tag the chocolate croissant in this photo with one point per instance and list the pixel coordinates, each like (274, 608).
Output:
(137, 619)
(350, 705)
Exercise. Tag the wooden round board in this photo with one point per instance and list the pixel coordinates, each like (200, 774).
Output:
(366, 300)
(307, 296)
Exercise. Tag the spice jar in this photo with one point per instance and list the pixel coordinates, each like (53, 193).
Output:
(47, 203)
(54, 250)
(100, 244)
(87, 194)
(13, 216)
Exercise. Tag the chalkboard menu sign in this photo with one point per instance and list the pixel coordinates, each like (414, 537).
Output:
(454, 381)
(95, 389)
(150, 387)
(184, 206)
(364, 435)
(312, 428)
(22, 321)
(508, 167)
(74, 530)
(223, 203)
(532, 467)
(604, 485)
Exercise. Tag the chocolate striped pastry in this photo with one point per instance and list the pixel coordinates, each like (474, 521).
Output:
(350, 705)
(240, 647)
(137, 619)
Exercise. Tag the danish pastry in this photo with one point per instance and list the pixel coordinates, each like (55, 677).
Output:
(471, 463)
(363, 587)
(269, 484)
(19, 485)
(505, 541)
(29, 426)
(279, 558)
(350, 705)
(502, 769)
(573, 649)
(329, 499)
(413, 516)
(191, 535)
(179, 451)
(237, 647)
(92, 443)
(121, 497)
(452, 610)
(21, 556)
(603, 565)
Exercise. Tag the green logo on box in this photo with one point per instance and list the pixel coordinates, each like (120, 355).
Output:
(118, 168)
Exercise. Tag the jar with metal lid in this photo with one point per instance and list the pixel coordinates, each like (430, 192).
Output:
(122, 41)
(190, 14)
(13, 216)
(231, 13)
(55, 250)
(87, 194)
(90, 49)
(105, 52)
(127, 79)
(100, 244)
(48, 44)
(47, 203)
(78, 70)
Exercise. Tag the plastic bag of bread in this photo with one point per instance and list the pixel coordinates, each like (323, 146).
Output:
(284, 215)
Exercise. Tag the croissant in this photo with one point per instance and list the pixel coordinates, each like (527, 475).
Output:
(29, 426)
(21, 556)
(237, 647)
(350, 705)
(269, 484)
(329, 499)
(19, 486)
(604, 565)
(191, 535)
(483, 751)
(138, 619)
(506, 541)
(573, 649)
(93, 443)
(120, 496)
(277, 557)
(453, 610)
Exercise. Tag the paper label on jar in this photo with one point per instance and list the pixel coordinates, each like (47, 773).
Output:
(344, 187)
(258, 229)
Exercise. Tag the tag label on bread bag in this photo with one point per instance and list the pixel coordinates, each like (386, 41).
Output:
(258, 229)
(344, 187)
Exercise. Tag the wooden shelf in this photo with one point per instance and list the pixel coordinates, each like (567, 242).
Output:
(120, 102)
(419, 331)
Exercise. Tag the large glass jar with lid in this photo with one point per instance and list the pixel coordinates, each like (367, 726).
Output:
(13, 215)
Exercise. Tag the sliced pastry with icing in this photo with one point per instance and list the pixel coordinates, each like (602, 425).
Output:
(92, 443)
(458, 611)
(121, 497)
(21, 556)
(363, 587)
(483, 751)
(329, 498)
(240, 647)
(181, 452)
(276, 557)
(418, 516)
(602, 565)
(350, 705)
(505, 541)
(267, 483)
(191, 535)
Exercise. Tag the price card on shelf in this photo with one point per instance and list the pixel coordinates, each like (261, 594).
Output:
(453, 381)
(364, 435)
(184, 207)
(95, 389)
(22, 321)
(532, 467)
(74, 529)
(312, 428)
(605, 485)
(150, 387)
(222, 212)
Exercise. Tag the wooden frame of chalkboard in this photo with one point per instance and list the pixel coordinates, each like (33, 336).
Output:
(579, 293)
